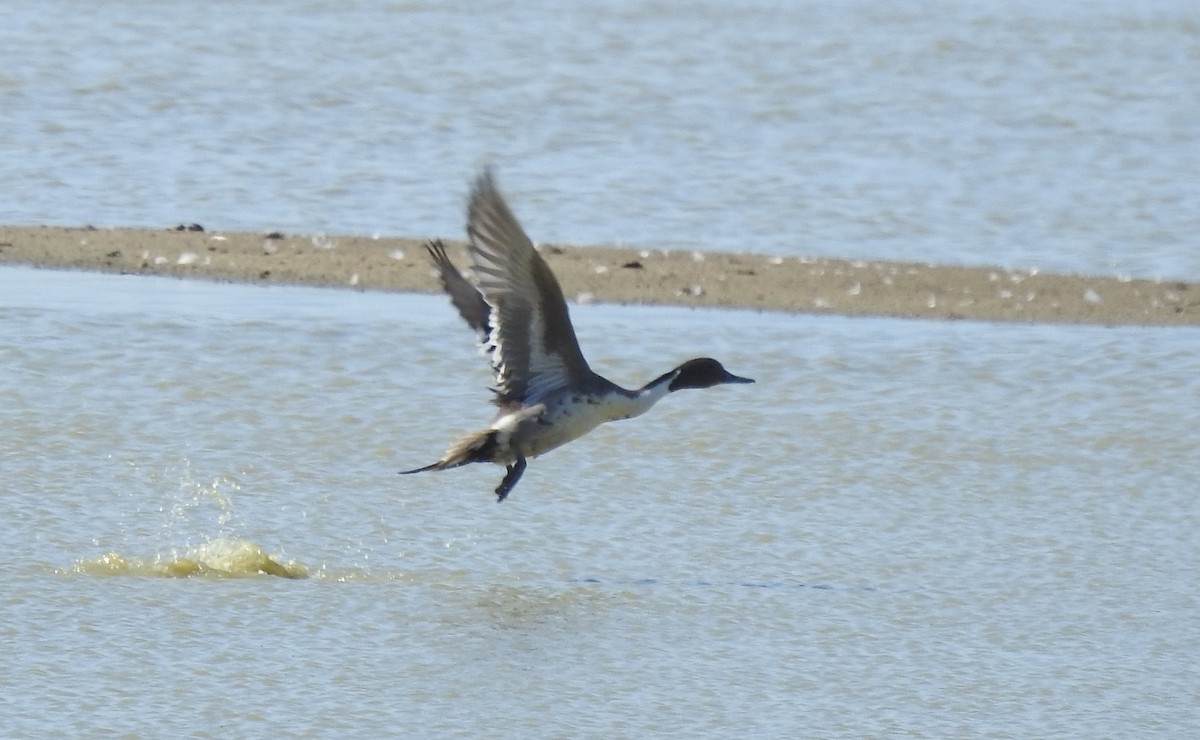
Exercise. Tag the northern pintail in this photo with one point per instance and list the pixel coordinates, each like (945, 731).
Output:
(546, 392)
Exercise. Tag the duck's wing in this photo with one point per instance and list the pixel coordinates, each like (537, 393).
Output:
(535, 351)
(466, 297)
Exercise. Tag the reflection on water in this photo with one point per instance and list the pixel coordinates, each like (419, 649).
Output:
(934, 528)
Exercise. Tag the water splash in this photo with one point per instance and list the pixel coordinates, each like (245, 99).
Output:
(195, 500)
(220, 558)
(192, 509)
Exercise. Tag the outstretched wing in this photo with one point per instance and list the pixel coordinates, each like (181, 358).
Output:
(465, 297)
(534, 347)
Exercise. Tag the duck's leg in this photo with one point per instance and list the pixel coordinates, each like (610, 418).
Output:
(510, 478)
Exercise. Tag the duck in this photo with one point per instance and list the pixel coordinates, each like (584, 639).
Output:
(545, 390)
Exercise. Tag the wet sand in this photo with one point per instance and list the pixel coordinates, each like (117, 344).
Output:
(620, 275)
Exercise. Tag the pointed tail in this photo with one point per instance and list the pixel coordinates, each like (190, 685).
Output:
(476, 447)
(439, 465)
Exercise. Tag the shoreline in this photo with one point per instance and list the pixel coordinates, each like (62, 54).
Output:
(625, 275)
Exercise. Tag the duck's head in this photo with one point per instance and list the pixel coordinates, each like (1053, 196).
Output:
(702, 372)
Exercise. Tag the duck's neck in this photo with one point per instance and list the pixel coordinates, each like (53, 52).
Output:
(628, 404)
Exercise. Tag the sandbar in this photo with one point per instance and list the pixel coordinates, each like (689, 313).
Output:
(801, 285)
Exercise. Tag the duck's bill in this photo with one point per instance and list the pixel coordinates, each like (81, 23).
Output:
(731, 378)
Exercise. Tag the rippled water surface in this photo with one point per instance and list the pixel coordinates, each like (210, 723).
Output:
(1057, 134)
(941, 529)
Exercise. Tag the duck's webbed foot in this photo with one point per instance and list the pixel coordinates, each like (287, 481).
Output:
(510, 479)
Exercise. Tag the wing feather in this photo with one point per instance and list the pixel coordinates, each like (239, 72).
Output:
(466, 298)
(535, 349)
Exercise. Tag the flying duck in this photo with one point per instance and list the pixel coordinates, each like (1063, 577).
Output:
(546, 392)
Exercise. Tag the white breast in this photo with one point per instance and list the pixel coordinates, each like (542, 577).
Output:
(562, 421)
(535, 430)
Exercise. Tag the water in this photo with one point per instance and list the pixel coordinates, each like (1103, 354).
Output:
(1059, 135)
(942, 529)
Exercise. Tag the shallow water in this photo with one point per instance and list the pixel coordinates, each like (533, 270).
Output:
(904, 527)
(1056, 135)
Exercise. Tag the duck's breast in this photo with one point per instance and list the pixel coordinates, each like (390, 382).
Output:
(555, 423)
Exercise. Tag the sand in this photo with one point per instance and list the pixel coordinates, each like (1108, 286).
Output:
(616, 275)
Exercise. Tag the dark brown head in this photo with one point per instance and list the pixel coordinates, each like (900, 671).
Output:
(703, 372)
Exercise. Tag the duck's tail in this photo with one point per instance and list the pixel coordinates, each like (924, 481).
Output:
(475, 447)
